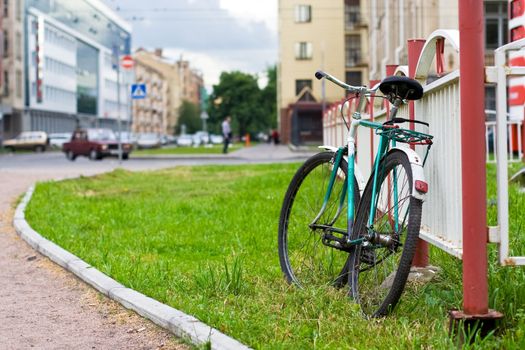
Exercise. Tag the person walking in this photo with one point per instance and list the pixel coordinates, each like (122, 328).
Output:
(226, 133)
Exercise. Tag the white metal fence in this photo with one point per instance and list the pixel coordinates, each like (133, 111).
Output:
(442, 216)
(442, 222)
(514, 139)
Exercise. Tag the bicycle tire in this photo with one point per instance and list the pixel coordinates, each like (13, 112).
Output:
(370, 264)
(300, 207)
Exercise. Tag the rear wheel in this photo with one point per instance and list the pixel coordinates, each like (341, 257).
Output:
(40, 148)
(379, 268)
(305, 260)
(125, 156)
(70, 155)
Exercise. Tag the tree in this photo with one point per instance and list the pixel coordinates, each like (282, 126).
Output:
(189, 116)
(238, 95)
(269, 98)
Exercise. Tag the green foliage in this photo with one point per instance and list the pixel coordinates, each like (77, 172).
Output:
(269, 98)
(203, 240)
(239, 96)
(188, 115)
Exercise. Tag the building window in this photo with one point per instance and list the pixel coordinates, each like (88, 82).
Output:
(352, 14)
(18, 86)
(6, 44)
(303, 13)
(18, 10)
(300, 84)
(353, 50)
(490, 102)
(354, 78)
(6, 83)
(6, 8)
(496, 24)
(303, 51)
(18, 44)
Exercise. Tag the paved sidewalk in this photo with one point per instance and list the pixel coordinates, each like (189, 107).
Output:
(260, 152)
(44, 307)
(271, 153)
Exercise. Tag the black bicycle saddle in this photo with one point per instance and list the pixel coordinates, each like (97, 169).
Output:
(406, 88)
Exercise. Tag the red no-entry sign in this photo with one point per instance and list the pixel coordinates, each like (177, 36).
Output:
(127, 62)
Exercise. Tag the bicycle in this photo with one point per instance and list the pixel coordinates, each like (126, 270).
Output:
(331, 234)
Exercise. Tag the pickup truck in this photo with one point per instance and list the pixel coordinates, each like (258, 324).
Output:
(95, 144)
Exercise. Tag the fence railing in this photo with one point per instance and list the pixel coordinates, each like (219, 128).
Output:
(514, 139)
(442, 222)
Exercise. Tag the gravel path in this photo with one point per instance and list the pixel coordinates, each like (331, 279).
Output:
(44, 307)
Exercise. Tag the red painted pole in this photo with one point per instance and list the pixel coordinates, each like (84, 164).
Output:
(471, 81)
(415, 46)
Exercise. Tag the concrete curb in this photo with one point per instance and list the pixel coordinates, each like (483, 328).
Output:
(179, 323)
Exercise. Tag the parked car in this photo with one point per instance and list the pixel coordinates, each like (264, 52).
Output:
(201, 138)
(28, 140)
(128, 137)
(57, 140)
(149, 140)
(185, 140)
(95, 144)
(216, 139)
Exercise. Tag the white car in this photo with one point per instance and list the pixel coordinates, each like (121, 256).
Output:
(201, 137)
(216, 139)
(148, 141)
(56, 140)
(185, 140)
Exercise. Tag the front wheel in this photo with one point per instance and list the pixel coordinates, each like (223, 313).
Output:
(93, 155)
(380, 266)
(304, 257)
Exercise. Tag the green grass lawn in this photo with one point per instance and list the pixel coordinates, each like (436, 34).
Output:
(204, 240)
(214, 149)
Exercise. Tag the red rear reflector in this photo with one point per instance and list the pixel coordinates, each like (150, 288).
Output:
(421, 186)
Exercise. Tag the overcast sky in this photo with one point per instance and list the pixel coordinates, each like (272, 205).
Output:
(214, 35)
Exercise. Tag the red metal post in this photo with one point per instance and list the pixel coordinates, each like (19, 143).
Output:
(415, 46)
(471, 81)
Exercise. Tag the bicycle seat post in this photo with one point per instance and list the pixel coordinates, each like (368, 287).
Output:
(398, 101)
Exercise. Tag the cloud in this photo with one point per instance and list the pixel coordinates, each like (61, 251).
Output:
(248, 11)
(213, 63)
(214, 35)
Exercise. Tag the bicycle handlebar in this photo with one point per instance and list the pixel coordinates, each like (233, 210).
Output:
(355, 89)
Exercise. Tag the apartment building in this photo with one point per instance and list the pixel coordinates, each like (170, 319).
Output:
(182, 83)
(314, 35)
(392, 23)
(12, 66)
(192, 82)
(150, 115)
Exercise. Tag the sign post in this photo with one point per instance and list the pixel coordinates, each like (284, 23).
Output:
(127, 63)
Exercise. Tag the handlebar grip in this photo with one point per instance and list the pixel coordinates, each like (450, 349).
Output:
(320, 74)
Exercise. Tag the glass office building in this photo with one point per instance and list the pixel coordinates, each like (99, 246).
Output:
(70, 77)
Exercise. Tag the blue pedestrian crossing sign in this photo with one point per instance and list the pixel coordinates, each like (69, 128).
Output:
(138, 91)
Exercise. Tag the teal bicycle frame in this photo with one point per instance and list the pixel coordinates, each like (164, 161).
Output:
(385, 140)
